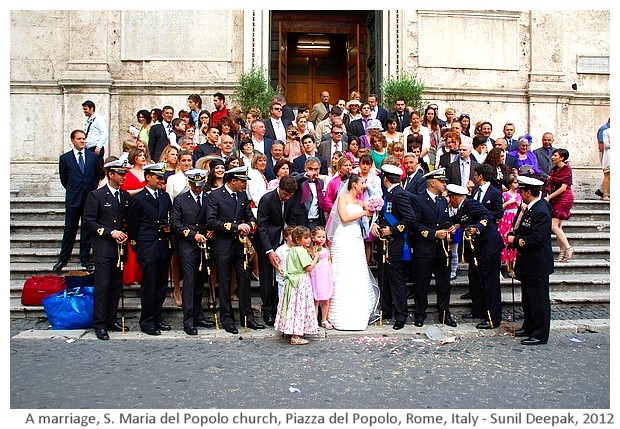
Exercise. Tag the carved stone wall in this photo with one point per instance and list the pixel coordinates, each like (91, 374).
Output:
(508, 65)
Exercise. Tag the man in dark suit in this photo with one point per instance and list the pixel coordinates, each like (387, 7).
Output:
(148, 227)
(543, 155)
(397, 217)
(189, 221)
(359, 127)
(430, 242)
(80, 172)
(308, 148)
(401, 114)
(461, 171)
(275, 126)
(274, 213)
(287, 112)
(486, 194)
(510, 160)
(377, 112)
(230, 218)
(208, 147)
(309, 201)
(483, 251)
(532, 240)
(105, 212)
(414, 182)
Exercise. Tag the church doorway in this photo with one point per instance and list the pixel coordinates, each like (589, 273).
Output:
(314, 51)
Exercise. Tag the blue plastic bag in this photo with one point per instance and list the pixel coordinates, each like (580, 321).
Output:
(70, 309)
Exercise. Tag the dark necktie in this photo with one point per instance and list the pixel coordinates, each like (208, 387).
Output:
(81, 161)
(400, 122)
(155, 195)
(198, 201)
(479, 194)
(406, 182)
(234, 195)
(117, 195)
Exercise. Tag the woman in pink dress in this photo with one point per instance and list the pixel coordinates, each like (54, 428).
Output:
(512, 200)
(134, 183)
(331, 192)
(559, 194)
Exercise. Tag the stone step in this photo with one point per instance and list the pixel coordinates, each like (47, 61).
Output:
(56, 202)
(590, 214)
(40, 214)
(587, 252)
(581, 227)
(457, 305)
(599, 238)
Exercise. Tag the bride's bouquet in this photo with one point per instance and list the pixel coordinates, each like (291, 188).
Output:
(374, 204)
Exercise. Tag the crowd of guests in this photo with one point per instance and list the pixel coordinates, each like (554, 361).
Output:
(321, 147)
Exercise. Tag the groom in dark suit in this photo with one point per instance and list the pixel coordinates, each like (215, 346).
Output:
(274, 213)
(80, 171)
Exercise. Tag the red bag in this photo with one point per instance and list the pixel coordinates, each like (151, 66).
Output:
(38, 287)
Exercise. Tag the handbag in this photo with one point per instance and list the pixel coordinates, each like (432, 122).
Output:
(71, 308)
(38, 287)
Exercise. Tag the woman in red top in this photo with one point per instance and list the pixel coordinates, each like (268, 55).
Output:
(134, 183)
(559, 194)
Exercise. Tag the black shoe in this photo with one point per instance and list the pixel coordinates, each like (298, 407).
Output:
(204, 323)
(398, 325)
(59, 266)
(151, 331)
(466, 296)
(418, 321)
(190, 330)
(485, 324)
(163, 326)
(89, 266)
(253, 325)
(116, 327)
(448, 321)
(269, 320)
(531, 341)
(468, 316)
(521, 333)
(599, 193)
(102, 334)
(231, 329)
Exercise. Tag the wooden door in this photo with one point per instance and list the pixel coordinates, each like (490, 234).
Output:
(282, 57)
(356, 61)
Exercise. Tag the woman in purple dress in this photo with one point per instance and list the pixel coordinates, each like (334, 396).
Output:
(559, 194)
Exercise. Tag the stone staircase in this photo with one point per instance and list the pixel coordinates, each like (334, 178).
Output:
(36, 232)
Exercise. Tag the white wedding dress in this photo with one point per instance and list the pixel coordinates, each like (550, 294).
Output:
(354, 303)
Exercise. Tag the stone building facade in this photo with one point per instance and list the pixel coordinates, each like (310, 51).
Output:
(509, 65)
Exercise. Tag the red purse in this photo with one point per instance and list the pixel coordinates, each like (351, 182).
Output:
(38, 287)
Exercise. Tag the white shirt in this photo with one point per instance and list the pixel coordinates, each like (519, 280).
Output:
(313, 213)
(260, 145)
(482, 190)
(98, 132)
(77, 158)
(433, 196)
(278, 128)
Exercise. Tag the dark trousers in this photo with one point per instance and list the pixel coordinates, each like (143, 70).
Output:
(486, 295)
(423, 270)
(101, 152)
(395, 292)
(108, 288)
(268, 286)
(73, 217)
(536, 306)
(225, 266)
(153, 290)
(193, 289)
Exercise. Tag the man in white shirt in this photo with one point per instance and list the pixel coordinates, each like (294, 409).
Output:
(275, 126)
(461, 171)
(168, 113)
(261, 142)
(96, 129)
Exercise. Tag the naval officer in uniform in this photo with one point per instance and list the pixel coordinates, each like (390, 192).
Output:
(531, 237)
(105, 212)
(230, 218)
(189, 222)
(148, 227)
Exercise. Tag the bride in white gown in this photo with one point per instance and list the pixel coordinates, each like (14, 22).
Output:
(353, 304)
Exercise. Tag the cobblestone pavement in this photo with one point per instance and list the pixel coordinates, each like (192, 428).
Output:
(369, 372)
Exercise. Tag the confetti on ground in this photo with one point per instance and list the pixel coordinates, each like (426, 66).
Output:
(293, 389)
(71, 340)
(576, 340)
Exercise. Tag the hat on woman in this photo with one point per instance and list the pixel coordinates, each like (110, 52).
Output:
(375, 124)
(356, 102)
